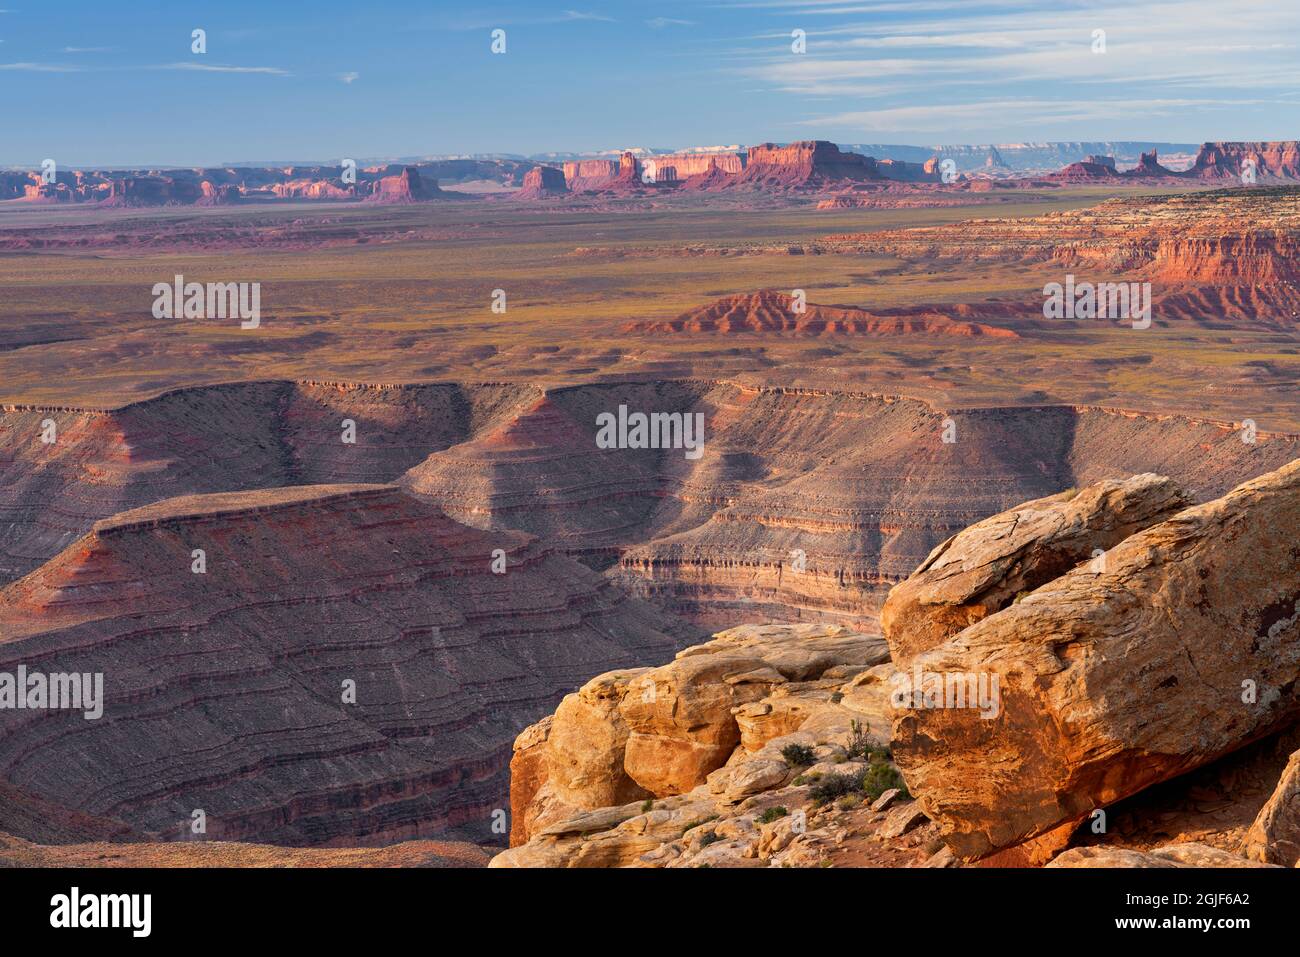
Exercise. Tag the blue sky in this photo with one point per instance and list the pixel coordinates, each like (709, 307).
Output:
(107, 83)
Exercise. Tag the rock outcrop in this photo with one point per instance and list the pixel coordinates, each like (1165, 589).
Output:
(1173, 855)
(542, 182)
(807, 164)
(770, 311)
(763, 747)
(1179, 646)
(306, 665)
(984, 568)
(1274, 838)
(1115, 677)
(405, 187)
(1277, 161)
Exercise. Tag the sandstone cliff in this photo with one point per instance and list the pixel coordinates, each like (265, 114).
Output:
(1224, 256)
(805, 504)
(1273, 161)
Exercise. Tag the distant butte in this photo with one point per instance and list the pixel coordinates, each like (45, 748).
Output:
(769, 311)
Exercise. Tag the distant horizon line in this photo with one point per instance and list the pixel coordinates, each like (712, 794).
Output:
(556, 156)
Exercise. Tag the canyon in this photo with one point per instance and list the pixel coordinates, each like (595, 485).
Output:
(818, 746)
(861, 485)
(341, 665)
(413, 547)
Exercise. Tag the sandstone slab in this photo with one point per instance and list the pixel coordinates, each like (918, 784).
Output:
(982, 569)
(1186, 647)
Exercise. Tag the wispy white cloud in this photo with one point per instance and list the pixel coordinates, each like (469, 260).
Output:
(964, 117)
(964, 62)
(579, 15)
(221, 68)
(350, 77)
(660, 22)
(41, 67)
(87, 49)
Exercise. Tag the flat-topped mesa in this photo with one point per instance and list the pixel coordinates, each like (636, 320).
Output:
(805, 164)
(686, 165)
(153, 191)
(1174, 647)
(405, 187)
(542, 182)
(582, 175)
(984, 568)
(1274, 161)
(312, 665)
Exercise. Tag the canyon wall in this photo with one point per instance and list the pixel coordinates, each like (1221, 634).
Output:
(802, 503)
(315, 665)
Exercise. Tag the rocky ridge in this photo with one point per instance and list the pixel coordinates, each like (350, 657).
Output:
(805, 504)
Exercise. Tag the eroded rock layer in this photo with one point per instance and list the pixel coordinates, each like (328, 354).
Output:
(800, 503)
(213, 439)
(1227, 255)
(344, 664)
(769, 311)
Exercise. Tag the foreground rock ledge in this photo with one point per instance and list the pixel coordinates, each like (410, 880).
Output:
(1181, 646)
(983, 568)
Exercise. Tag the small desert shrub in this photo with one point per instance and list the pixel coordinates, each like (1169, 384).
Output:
(832, 786)
(880, 777)
(647, 805)
(798, 755)
(773, 814)
(711, 838)
(860, 743)
(848, 802)
(837, 697)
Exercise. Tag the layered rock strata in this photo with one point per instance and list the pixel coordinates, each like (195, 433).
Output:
(313, 665)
